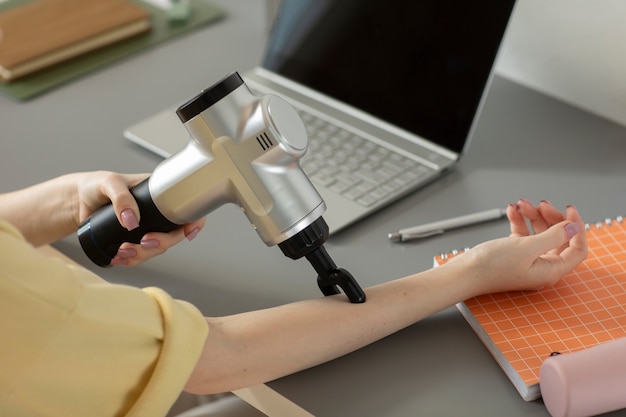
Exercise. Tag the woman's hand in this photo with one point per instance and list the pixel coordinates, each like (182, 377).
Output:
(95, 189)
(544, 245)
(52, 210)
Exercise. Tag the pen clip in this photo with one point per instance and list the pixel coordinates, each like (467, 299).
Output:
(408, 236)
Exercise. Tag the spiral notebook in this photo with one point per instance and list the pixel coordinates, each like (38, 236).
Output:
(585, 308)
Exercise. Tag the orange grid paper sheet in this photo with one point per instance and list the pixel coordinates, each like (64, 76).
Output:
(583, 309)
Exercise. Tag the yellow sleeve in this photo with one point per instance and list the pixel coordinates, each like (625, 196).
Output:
(76, 345)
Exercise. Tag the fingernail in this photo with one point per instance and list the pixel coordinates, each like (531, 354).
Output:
(514, 206)
(149, 243)
(129, 219)
(192, 235)
(545, 201)
(126, 253)
(119, 261)
(571, 229)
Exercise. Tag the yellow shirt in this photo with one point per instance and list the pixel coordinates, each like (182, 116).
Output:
(72, 344)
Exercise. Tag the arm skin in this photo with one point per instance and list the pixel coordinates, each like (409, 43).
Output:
(259, 346)
(49, 211)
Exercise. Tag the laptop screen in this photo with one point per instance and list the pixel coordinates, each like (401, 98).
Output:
(421, 65)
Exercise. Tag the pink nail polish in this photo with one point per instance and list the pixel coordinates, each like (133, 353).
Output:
(150, 243)
(192, 235)
(119, 261)
(126, 253)
(129, 219)
(571, 229)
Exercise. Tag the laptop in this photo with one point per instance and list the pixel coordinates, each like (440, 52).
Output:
(389, 90)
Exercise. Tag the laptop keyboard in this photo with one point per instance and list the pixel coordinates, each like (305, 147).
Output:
(355, 167)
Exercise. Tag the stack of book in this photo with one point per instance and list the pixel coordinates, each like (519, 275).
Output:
(42, 33)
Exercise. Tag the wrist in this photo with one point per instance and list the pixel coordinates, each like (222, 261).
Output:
(463, 275)
(44, 212)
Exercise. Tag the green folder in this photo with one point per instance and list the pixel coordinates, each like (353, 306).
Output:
(162, 28)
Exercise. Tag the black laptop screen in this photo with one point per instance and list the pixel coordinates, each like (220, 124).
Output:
(421, 65)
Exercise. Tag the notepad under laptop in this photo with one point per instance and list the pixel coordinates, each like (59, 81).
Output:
(390, 92)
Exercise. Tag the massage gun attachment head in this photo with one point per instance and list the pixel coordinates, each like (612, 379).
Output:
(309, 243)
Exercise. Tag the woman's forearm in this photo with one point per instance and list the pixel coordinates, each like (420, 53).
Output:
(255, 347)
(44, 212)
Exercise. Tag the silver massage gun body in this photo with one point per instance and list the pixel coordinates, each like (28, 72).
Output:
(243, 149)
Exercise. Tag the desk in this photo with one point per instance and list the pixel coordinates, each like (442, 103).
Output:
(526, 145)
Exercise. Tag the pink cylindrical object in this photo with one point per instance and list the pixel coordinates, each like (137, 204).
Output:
(587, 382)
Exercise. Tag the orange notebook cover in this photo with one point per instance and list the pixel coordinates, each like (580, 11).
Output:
(45, 32)
(583, 309)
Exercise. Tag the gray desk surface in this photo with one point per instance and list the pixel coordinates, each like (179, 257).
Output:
(526, 145)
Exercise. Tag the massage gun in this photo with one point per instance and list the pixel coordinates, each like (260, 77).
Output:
(243, 149)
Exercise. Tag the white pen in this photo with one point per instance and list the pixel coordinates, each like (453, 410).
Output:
(441, 226)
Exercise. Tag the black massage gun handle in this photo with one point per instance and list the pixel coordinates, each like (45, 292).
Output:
(101, 235)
